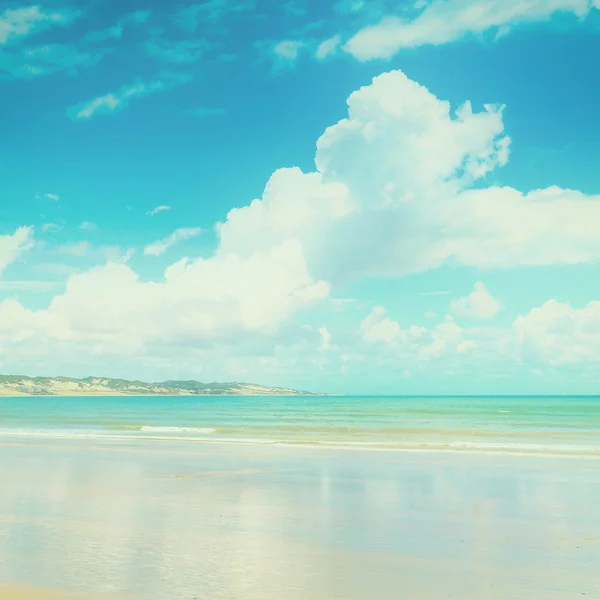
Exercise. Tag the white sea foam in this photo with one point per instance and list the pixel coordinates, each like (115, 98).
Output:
(157, 429)
(206, 435)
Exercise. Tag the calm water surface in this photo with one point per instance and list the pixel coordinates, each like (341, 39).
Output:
(565, 425)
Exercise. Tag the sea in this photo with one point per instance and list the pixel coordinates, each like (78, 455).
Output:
(530, 425)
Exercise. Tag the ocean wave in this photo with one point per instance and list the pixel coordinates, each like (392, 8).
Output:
(165, 429)
(207, 436)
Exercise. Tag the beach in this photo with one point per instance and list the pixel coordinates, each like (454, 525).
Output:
(135, 518)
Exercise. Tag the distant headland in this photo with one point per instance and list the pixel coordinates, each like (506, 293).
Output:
(19, 385)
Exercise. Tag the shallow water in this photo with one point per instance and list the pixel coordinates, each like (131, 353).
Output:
(535, 425)
(177, 521)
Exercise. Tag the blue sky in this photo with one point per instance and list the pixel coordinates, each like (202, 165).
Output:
(354, 197)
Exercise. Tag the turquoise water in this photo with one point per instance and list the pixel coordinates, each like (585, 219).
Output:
(568, 425)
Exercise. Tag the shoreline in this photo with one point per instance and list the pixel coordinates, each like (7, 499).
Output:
(146, 443)
(17, 591)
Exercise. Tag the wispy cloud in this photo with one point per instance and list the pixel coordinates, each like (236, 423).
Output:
(138, 17)
(180, 52)
(440, 22)
(117, 254)
(54, 197)
(27, 285)
(13, 245)
(288, 49)
(293, 8)
(20, 22)
(211, 11)
(88, 226)
(28, 62)
(118, 100)
(51, 227)
(440, 293)
(74, 249)
(283, 54)
(348, 6)
(158, 209)
(328, 47)
(160, 246)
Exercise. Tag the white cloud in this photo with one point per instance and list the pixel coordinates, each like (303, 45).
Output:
(110, 311)
(325, 337)
(51, 227)
(74, 249)
(157, 210)
(414, 343)
(379, 328)
(179, 52)
(444, 21)
(557, 333)
(479, 304)
(54, 197)
(392, 193)
(437, 293)
(13, 245)
(288, 50)
(328, 47)
(116, 31)
(211, 11)
(23, 21)
(161, 246)
(26, 285)
(554, 334)
(88, 226)
(348, 6)
(28, 62)
(118, 100)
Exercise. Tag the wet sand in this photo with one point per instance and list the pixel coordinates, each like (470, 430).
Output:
(20, 592)
(174, 522)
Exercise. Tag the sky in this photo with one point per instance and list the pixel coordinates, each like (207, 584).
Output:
(386, 197)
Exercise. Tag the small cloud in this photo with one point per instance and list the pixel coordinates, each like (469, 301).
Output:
(181, 52)
(288, 49)
(293, 8)
(54, 197)
(26, 285)
(88, 226)
(51, 227)
(28, 62)
(56, 269)
(23, 21)
(440, 293)
(157, 210)
(160, 246)
(204, 111)
(284, 53)
(328, 47)
(480, 304)
(211, 11)
(325, 338)
(430, 314)
(74, 249)
(12, 246)
(120, 99)
(116, 31)
(348, 6)
(116, 254)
